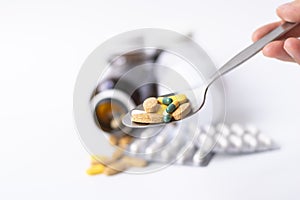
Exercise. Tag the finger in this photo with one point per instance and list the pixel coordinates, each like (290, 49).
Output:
(262, 31)
(289, 11)
(259, 33)
(292, 47)
(276, 50)
(295, 32)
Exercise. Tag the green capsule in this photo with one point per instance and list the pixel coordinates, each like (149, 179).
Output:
(167, 118)
(164, 100)
(172, 107)
(167, 100)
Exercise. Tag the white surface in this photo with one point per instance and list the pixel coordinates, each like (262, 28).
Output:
(43, 45)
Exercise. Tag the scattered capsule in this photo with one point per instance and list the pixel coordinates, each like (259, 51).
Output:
(164, 100)
(115, 168)
(181, 98)
(172, 107)
(134, 162)
(167, 117)
(95, 169)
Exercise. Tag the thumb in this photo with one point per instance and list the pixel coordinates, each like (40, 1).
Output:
(290, 11)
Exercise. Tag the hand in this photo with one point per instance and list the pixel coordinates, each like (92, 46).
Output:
(287, 48)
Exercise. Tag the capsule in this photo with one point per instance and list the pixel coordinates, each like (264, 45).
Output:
(172, 107)
(95, 169)
(161, 109)
(164, 100)
(181, 98)
(167, 117)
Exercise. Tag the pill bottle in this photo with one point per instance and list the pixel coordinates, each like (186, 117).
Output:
(115, 96)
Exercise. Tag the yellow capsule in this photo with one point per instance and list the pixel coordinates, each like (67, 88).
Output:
(161, 109)
(181, 98)
(113, 140)
(124, 141)
(95, 169)
(134, 162)
(115, 168)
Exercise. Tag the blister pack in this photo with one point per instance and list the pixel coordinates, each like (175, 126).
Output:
(182, 147)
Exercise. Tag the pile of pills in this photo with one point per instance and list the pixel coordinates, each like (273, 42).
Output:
(162, 109)
(113, 165)
(118, 162)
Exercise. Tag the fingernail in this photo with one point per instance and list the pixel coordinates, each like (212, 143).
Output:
(289, 52)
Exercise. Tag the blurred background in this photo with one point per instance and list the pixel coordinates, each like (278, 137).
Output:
(43, 45)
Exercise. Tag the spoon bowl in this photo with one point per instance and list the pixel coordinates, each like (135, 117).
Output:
(199, 91)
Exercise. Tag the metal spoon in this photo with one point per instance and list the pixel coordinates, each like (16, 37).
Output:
(230, 65)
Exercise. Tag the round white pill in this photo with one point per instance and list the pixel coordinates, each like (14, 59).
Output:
(133, 147)
(201, 138)
(251, 129)
(199, 156)
(153, 147)
(162, 137)
(185, 153)
(250, 140)
(136, 145)
(222, 142)
(209, 130)
(264, 139)
(237, 129)
(170, 152)
(235, 141)
(207, 144)
(136, 112)
(223, 129)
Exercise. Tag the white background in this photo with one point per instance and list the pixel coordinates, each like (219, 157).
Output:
(42, 47)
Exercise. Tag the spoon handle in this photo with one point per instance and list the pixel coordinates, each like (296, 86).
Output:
(252, 50)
